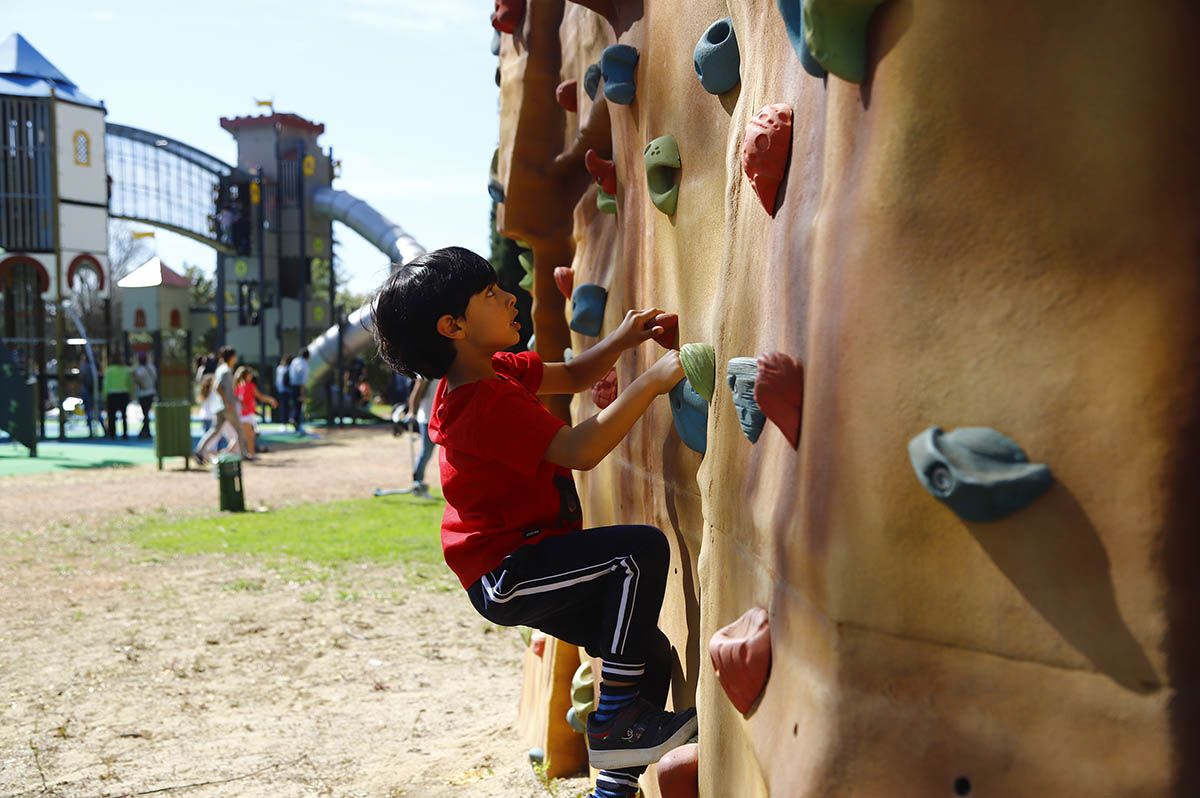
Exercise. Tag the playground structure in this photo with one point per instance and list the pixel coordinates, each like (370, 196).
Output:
(65, 171)
(955, 245)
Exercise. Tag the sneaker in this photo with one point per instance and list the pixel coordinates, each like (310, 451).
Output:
(638, 735)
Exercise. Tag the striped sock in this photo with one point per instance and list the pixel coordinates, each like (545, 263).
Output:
(616, 783)
(618, 688)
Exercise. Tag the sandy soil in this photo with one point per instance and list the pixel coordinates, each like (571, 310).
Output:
(123, 673)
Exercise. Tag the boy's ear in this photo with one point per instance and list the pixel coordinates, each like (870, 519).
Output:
(450, 327)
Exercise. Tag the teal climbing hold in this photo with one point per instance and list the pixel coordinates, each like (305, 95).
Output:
(716, 57)
(689, 413)
(591, 81)
(792, 12)
(742, 375)
(618, 67)
(587, 309)
(662, 173)
(836, 34)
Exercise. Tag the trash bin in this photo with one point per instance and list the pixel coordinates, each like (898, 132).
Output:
(173, 431)
(229, 476)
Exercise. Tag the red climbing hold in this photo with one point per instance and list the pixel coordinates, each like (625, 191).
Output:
(605, 391)
(765, 150)
(741, 656)
(538, 643)
(669, 338)
(564, 278)
(507, 15)
(779, 393)
(679, 772)
(604, 172)
(567, 95)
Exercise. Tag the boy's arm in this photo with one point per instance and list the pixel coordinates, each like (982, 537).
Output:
(582, 447)
(591, 365)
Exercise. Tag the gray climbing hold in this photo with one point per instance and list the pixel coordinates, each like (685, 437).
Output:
(587, 309)
(716, 57)
(495, 42)
(742, 373)
(978, 473)
(591, 81)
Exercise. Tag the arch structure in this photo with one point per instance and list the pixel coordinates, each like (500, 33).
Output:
(163, 182)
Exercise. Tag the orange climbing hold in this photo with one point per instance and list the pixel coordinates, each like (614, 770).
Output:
(604, 393)
(564, 278)
(507, 15)
(741, 656)
(779, 393)
(604, 172)
(679, 772)
(765, 150)
(567, 95)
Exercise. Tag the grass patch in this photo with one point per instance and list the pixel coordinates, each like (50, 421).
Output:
(312, 542)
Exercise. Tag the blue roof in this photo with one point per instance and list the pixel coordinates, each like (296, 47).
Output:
(25, 72)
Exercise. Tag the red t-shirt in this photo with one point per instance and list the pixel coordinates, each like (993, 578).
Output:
(500, 492)
(245, 395)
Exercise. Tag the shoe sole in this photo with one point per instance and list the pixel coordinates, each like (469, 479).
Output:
(636, 757)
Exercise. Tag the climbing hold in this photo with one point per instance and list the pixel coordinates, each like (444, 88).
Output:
(607, 203)
(605, 391)
(779, 392)
(495, 42)
(583, 685)
(836, 34)
(568, 355)
(532, 345)
(662, 173)
(507, 15)
(716, 57)
(526, 261)
(536, 756)
(742, 374)
(679, 772)
(578, 726)
(495, 187)
(669, 338)
(618, 63)
(591, 81)
(587, 309)
(741, 656)
(689, 411)
(567, 95)
(700, 366)
(564, 278)
(978, 473)
(497, 76)
(765, 150)
(537, 644)
(603, 171)
(792, 12)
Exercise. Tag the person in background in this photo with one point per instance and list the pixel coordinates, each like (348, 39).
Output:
(248, 397)
(298, 378)
(117, 386)
(283, 391)
(421, 398)
(145, 382)
(87, 392)
(212, 407)
(227, 412)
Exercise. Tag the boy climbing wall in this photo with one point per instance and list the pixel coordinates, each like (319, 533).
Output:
(512, 530)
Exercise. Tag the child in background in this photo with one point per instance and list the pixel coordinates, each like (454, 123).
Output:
(512, 530)
(248, 396)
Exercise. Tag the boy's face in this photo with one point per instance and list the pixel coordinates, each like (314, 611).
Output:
(491, 320)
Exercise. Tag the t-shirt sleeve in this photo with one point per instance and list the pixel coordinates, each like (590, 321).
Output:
(525, 367)
(515, 431)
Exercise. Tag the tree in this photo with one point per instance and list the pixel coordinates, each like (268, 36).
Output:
(203, 295)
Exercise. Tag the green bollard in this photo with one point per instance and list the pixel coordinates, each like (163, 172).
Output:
(229, 476)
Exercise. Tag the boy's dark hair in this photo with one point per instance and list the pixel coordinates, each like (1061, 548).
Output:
(227, 352)
(407, 308)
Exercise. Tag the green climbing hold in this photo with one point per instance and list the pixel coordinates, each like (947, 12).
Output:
(526, 261)
(700, 366)
(662, 173)
(836, 34)
(607, 203)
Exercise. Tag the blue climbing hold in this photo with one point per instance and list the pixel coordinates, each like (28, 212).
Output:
(591, 81)
(792, 12)
(742, 374)
(587, 309)
(618, 67)
(978, 473)
(495, 42)
(689, 411)
(716, 57)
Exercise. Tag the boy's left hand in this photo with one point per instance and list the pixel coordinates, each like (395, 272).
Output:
(638, 326)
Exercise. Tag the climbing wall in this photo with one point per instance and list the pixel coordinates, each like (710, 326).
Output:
(970, 520)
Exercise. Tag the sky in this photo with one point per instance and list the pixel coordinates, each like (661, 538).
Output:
(405, 88)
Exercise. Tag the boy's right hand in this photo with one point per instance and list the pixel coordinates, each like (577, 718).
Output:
(666, 372)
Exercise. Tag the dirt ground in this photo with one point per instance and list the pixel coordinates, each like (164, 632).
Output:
(126, 673)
